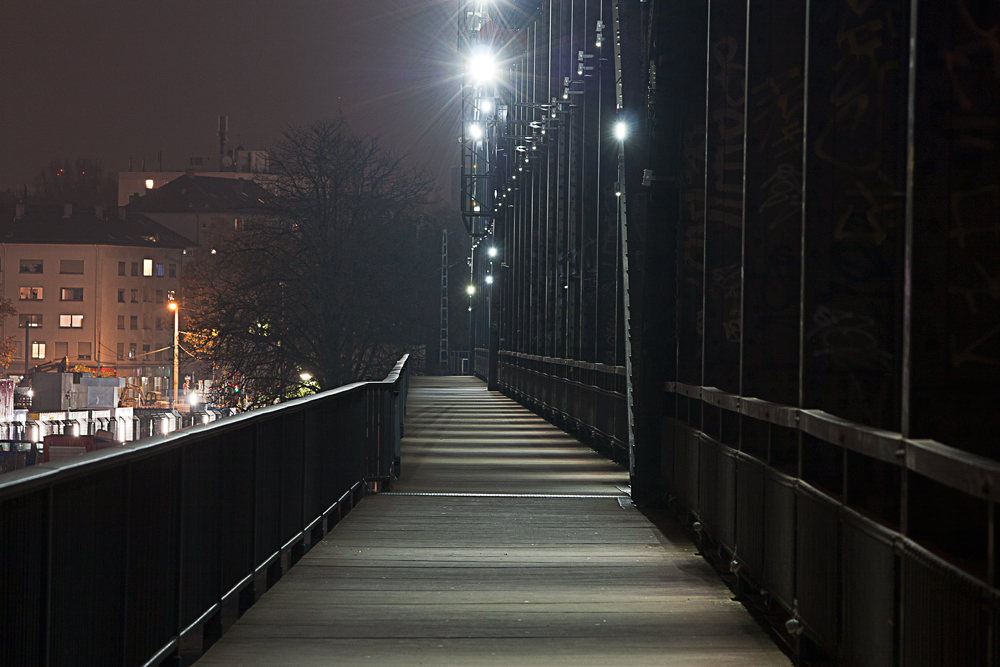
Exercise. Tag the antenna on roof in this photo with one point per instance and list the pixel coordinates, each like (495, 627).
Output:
(223, 130)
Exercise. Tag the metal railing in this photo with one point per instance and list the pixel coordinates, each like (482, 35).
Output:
(834, 551)
(135, 555)
(585, 397)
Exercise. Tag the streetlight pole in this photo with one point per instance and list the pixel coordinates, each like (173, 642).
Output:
(173, 306)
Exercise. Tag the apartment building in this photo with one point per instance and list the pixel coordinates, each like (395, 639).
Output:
(90, 287)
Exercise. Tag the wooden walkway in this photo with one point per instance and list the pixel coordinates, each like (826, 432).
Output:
(518, 547)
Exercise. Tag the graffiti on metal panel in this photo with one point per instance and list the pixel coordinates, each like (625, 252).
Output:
(779, 101)
(726, 280)
(784, 195)
(853, 138)
(725, 203)
(847, 339)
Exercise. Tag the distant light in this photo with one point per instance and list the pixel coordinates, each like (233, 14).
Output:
(486, 106)
(598, 43)
(193, 398)
(476, 131)
(489, 280)
(482, 66)
(149, 184)
(621, 131)
(172, 305)
(31, 392)
(305, 377)
(492, 252)
(470, 290)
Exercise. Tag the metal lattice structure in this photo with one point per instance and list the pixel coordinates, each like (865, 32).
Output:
(443, 344)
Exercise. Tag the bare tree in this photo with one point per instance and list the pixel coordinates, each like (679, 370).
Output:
(315, 284)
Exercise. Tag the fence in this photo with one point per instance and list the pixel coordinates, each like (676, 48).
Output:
(135, 555)
(819, 514)
(584, 397)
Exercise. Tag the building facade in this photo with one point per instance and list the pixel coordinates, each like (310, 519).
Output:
(92, 289)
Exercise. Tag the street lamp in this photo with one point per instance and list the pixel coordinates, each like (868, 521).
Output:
(172, 305)
(621, 131)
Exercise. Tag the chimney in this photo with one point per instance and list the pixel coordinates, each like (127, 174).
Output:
(67, 210)
(19, 212)
(99, 211)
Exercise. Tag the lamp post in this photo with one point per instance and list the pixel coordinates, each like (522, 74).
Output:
(172, 305)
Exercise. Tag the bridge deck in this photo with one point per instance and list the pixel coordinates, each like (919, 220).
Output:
(558, 574)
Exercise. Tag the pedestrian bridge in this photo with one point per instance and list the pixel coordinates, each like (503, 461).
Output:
(279, 538)
(504, 542)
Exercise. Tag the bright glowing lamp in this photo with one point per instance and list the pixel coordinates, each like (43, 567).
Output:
(149, 184)
(482, 66)
(489, 280)
(476, 131)
(621, 131)
(470, 290)
(492, 252)
(486, 106)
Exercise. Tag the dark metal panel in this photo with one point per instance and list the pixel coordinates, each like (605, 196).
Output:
(778, 576)
(90, 547)
(691, 227)
(773, 200)
(292, 474)
(201, 507)
(151, 595)
(725, 127)
(725, 508)
(236, 525)
(749, 546)
(23, 529)
(944, 620)
(869, 592)
(956, 228)
(817, 565)
(267, 496)
(854, 206)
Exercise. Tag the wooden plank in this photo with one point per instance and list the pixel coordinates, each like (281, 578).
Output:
(437, 580)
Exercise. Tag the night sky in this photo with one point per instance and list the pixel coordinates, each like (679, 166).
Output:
(115, 79)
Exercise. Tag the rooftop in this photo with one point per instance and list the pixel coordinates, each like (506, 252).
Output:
(90, 225)
(202, 194)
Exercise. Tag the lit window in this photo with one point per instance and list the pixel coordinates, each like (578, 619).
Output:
(32, 266)
(131, 350)
(70, 321)
(25, 319)
(71, 294)
(31, 294)
(83, 351)
(147, 267)
(159, 270)
(38, 350)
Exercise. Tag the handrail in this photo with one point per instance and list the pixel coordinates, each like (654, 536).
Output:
(191, 522)
(601, 368)
(975, 475)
